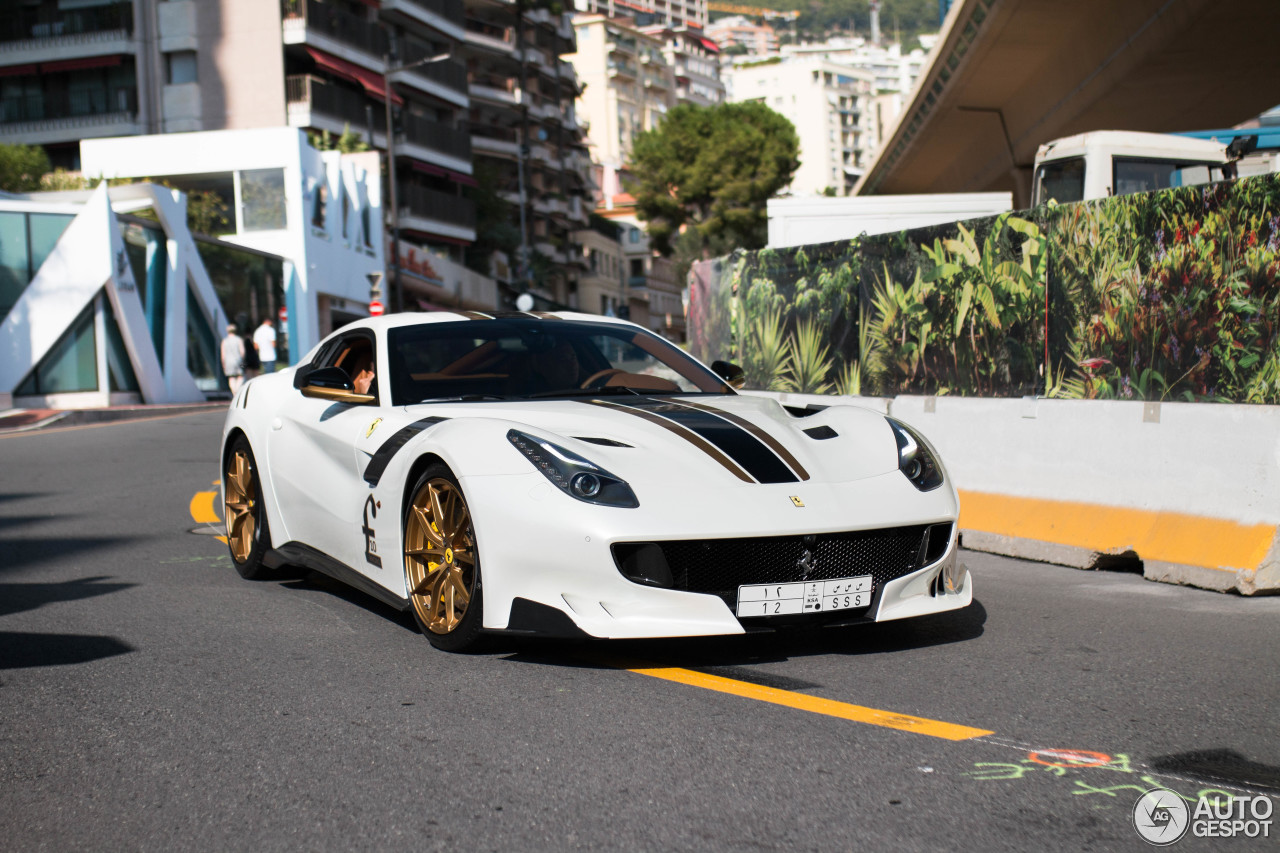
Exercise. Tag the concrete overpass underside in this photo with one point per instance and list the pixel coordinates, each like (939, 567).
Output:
(1010, 75)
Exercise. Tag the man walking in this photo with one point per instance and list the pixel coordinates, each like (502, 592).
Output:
(264, 341)
(232, 352)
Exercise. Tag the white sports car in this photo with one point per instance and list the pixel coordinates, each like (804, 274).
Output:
(574, 475)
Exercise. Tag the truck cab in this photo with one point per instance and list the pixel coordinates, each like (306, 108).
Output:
(1116, 162)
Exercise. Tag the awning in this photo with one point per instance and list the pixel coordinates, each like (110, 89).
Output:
(77, 64)
(438, 171)
(15, 70)
(710, 45)
(465, 180)
(372, 81)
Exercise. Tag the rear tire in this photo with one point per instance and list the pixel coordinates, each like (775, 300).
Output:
(248, 537)
(441, 562)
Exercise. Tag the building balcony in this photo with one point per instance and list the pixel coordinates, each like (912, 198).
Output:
(444, 16)
(493, 94)
(444, 80)
(433, 142)
(489, 37)
(622, 69)
(327, 27)
(435, 213)
(23, 23)
(483, 143)
(41, 120)
(312, 102)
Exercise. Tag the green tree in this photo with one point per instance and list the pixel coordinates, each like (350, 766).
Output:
(711, 170)
(21, 167)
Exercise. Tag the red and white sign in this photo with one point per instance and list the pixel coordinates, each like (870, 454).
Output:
(375, 308)
(284, 314)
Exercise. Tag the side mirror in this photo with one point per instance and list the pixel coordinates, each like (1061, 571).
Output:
(730, 373)
(333, 383)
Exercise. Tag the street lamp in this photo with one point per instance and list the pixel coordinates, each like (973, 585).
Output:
(397, 289)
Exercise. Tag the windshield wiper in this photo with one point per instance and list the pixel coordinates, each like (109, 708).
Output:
(464, 398)
(588, 392)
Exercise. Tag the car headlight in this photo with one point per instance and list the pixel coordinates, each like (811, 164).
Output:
(916, 459)
(572, 474)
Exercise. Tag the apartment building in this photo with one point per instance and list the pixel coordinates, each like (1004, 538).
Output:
(81, 69)
(629, 85)
(525, 130)
(666, 13)
(738, 31)
(695, 62)
(826, 102)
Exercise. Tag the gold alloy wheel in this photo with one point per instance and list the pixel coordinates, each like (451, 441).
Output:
(440, 555)
(241, 507)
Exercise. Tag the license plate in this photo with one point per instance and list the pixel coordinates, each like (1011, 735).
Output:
(781, 599)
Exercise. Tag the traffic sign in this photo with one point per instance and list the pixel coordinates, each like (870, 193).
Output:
(284, 314)
(375, 308)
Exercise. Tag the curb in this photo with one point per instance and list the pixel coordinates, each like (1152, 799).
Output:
(114, 414)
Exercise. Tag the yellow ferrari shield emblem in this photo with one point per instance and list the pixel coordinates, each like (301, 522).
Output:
(372, 427)
(795, 500)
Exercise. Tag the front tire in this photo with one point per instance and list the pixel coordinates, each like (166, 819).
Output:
(441, 563)
(247, 535)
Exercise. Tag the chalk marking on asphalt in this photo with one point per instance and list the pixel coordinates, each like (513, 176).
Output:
(812, 704)
(202, 509)
(1168, 536)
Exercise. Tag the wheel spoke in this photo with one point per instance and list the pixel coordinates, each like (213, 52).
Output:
(424, 521)
(437, 513)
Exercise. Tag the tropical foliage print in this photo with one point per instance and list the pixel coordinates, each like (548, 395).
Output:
(1172, 295)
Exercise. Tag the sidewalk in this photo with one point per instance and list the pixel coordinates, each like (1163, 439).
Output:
(26, 420)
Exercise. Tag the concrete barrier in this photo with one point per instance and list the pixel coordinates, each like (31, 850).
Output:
(1192, 490)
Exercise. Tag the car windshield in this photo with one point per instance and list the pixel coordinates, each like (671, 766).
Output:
(521, 358)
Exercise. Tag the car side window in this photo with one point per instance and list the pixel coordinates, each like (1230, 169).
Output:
(355, 355)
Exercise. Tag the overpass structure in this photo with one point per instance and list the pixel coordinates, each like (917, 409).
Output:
(1009, 75)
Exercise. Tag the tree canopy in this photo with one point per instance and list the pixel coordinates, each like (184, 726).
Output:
(712, 169)
(21, 167)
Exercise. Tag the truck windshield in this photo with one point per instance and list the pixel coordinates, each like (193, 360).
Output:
(1060, 180)
(1133, 175)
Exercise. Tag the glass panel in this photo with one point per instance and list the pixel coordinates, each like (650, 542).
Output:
(1060, 180)
(14, 269)
(71, 365)
(248, 285)
(262, 199)
(119, 367)
(46, 229)
(202, 347)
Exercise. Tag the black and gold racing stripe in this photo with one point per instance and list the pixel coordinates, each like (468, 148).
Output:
(688, 435)
(723, 438)
(382, 458)
(773, 443)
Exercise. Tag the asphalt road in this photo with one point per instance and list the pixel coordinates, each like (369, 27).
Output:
(150, 699)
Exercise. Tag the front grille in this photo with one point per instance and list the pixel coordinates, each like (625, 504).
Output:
(720, 566)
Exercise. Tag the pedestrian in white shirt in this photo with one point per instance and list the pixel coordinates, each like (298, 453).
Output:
(264, 341)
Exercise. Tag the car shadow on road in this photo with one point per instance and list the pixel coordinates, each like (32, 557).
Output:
(19, 650)
(1218, 766)
(19, 597)
(23, 553)
(729, 655)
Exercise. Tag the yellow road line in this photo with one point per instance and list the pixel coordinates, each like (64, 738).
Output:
(1154, 535)
(202, 509)
(812, 704)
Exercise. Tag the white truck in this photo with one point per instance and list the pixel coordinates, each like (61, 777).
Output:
(1115, 162)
